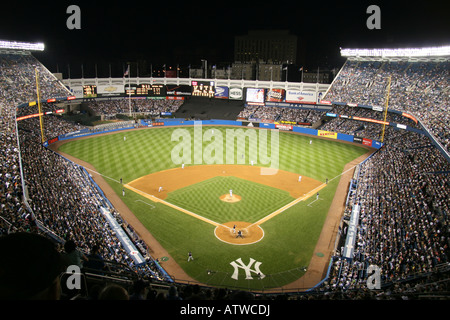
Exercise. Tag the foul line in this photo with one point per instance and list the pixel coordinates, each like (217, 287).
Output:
(155, 199)
(149, 204)
(87, 169)
(278, 211)
(304, 197)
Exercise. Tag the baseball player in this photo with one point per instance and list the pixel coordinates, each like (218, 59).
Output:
(160, 189)
(190, 256)
(239, 235)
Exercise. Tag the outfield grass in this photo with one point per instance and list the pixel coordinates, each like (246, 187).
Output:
(290, 237)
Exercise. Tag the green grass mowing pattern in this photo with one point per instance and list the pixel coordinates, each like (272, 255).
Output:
(203, 198)
(290, 237)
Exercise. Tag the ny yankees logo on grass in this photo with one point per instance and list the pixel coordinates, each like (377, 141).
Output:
(238, 264)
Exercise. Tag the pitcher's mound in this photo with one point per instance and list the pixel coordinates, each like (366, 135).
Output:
(228, 198)
(228, 233)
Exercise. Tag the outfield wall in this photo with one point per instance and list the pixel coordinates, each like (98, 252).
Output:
(275, 125)
(182, 122)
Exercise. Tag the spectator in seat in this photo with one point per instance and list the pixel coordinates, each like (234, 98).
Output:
(95, 261)
(72, 256)
(30, 267)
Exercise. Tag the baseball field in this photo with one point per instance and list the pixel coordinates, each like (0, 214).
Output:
(255, 216)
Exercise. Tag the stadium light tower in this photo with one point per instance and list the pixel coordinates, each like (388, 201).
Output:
(404, 52)
(16, 45)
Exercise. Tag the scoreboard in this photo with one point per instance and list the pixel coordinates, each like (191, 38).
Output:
(143, 90)
(203, 88)
(89, 91)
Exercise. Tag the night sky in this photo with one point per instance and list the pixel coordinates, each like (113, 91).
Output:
(175, 32)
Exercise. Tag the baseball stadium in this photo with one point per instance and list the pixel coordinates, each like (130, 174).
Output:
(214, 188)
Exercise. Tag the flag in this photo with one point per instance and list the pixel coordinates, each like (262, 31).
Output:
(301, 69)
(127, 72)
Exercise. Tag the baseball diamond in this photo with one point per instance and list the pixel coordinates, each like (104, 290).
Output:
(179, 208)
(175, 179)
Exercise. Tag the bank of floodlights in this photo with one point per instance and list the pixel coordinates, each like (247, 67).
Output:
(15, 45)
(406, 52)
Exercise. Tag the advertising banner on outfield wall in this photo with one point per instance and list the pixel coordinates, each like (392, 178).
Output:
(178, 90)
(285, 127)
(367, 142)
(327, 134)
(250, 124)
(236, 94)
(357, 139)
(77, 91)
(221, 93)
(110, 90)
(376, 144)
(297, 96)
(275, 95)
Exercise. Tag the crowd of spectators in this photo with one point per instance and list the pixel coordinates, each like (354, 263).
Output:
(263, 113)
(403, 193)
(153, 107)
(60, 196)
(18, 85)
(420, 88)
(403, 189)
(359, 128)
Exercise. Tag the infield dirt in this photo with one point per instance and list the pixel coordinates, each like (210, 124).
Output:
(177, 178)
